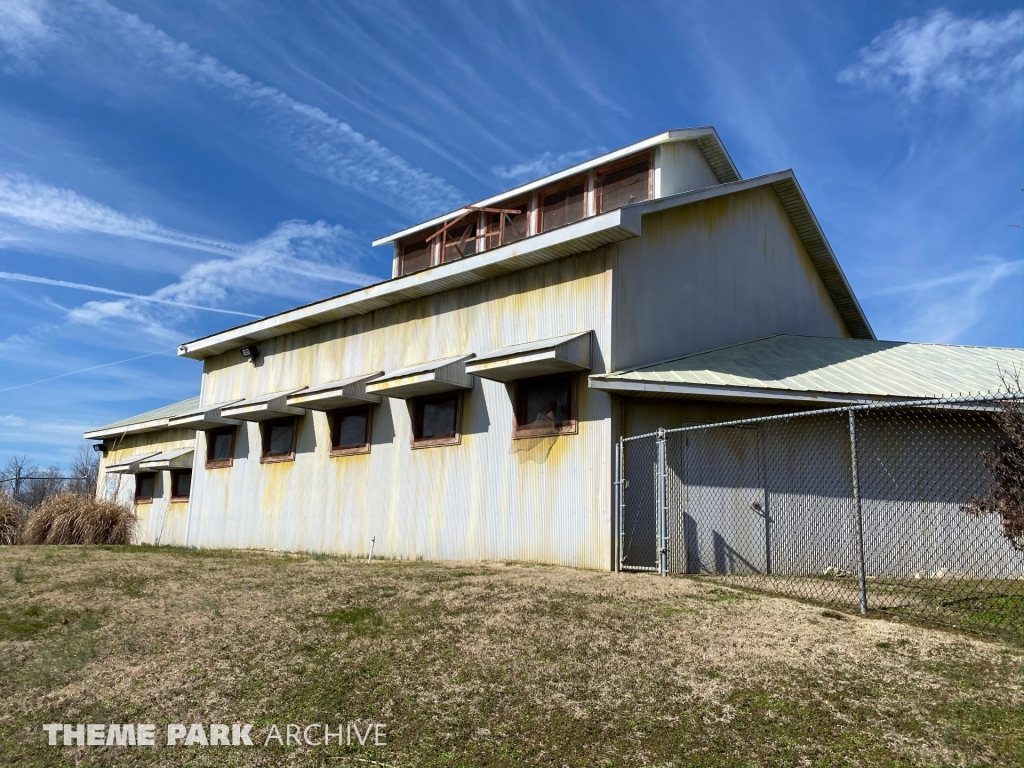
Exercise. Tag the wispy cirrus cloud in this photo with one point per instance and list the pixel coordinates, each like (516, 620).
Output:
(20, 278)
(291, 262)
(943, 52)
(22, 31)
(545, 164)
(318, 142)
(944, 308)
(61, 210)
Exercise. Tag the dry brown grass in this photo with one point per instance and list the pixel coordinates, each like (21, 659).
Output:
(10, 520)
(475, 664)
(72, 519)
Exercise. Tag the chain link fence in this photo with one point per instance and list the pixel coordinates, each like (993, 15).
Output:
(866, 508)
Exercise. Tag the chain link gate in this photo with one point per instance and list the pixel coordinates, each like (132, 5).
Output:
(865, 508)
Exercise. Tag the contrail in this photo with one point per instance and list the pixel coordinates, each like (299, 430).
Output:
(111, 292)
(82, 370)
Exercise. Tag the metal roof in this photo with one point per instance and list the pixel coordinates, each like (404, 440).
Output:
(706, 138)
(586, 235)
(145, 422)
(821, 369)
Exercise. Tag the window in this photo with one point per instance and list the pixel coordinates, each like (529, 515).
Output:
(181, 484)
(437, 420)
(509, 226)
(460, 240)
(279, 440)
(563, 205)
(220, 447)
(545, 405)
(622, 184)
(350, 431)
(145, 484)
(416, 256)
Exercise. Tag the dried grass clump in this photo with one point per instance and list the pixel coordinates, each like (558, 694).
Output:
(70, 519)
(10, 520)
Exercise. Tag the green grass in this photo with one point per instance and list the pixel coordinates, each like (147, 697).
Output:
(480, 665)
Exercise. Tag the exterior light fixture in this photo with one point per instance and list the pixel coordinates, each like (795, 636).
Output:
(100, 448)
(250, 353)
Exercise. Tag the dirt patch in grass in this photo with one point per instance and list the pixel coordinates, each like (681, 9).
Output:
(479, 665)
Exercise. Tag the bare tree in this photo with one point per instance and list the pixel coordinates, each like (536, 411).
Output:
(14, 476)
(85, 470)
(1006, 465)
(44, 484)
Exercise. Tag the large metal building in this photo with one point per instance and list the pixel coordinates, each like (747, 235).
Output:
(470, 406)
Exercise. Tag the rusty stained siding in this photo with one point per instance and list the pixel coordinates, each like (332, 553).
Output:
(717, 272)
(159, 522)
(540, 499)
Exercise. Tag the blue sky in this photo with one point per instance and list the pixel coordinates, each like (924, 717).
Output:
(171, 169)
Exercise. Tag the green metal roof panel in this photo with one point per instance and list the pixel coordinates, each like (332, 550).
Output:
(864, 367)
(164, 412)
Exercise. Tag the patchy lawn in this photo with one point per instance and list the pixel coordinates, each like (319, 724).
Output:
(478, 665)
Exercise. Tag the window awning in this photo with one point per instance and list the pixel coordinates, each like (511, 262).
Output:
(178, 458)
(204, 418)
(344, 393)
(263, 407)
(430, 378)
(536, 358)
(127, 466)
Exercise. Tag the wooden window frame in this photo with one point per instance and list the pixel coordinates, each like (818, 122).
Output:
(558, 187)
(618, 165)
(175, 473)
(212, 433)
(500, 210)
(265, 426)
(431, 248)
(416, 417)
(572, 428)
(145, 499)
(332, 416)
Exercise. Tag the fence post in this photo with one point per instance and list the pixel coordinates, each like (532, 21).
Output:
(619, 512)
(662, 548)
(858, 518)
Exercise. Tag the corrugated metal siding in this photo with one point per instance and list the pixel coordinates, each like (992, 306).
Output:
(817, 247)
(717, 272)
(542, 499)
(587, 235)
(160, 522)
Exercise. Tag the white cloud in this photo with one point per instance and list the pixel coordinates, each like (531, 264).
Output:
(943, 52)
(545, 164)
(291, 262)
(22, 31)
(62, 210)
(101, 35)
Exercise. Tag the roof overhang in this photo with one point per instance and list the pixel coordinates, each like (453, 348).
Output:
(712, 392)
(204, 419)
(179, 458)
(583, 236)
(263, 408)
(103, 433)
(431, 378)
(706, 138)
(587, 235)
(130, 465)
(536, 358)
(345, 393)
